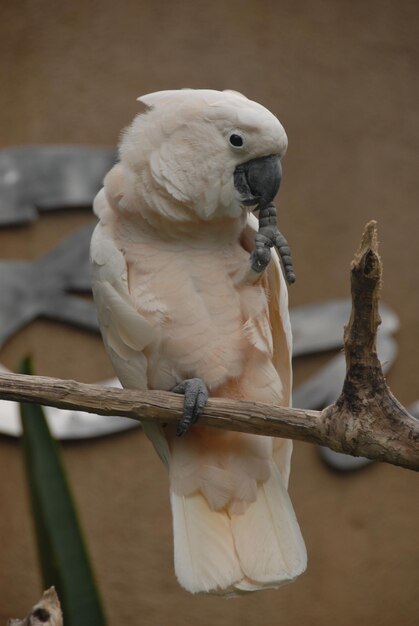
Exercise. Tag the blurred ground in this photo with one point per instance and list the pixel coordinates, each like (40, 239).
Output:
(343, 79)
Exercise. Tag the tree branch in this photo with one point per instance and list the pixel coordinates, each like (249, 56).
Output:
(366, 420)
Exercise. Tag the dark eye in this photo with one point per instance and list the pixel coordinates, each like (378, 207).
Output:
(236, 140)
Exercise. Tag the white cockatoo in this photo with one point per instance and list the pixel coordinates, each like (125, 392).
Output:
(191, 298)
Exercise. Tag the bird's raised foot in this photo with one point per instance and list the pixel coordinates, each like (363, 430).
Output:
(196, 396)
(266, 238)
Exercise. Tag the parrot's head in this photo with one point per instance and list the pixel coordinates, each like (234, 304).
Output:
(205, 153)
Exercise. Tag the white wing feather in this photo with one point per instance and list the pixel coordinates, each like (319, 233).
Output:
(126, 333)
(282, 338)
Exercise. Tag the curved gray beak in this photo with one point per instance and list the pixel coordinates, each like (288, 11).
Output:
(258, 180)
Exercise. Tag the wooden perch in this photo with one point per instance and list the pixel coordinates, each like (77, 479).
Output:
(366, 420)
(46, 613)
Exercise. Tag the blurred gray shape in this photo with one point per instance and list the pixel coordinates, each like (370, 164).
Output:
(324, 387)
(414, 409)
(343, 462)
(319, 327)
(42, 288)
(47, 178)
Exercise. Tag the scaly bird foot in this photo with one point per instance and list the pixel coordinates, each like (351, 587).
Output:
(196, 396)
(266, 238)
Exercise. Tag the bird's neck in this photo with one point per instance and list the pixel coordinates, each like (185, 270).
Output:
(221, 229)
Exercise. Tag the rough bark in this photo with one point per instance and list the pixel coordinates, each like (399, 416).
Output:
(366, 420)
(367, 416)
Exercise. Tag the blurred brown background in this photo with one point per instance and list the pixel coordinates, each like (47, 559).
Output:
(343, 79)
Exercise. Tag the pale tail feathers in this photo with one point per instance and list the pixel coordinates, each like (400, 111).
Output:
(231, 554)
(268, 539)
(205, 558)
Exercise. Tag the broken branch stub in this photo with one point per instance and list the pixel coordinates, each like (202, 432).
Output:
(47, 612)
(367, 419)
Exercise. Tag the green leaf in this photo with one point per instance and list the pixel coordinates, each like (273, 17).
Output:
(62, 552)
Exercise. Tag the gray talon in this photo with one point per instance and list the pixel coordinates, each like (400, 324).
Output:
(260, 256)
(196, 396)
